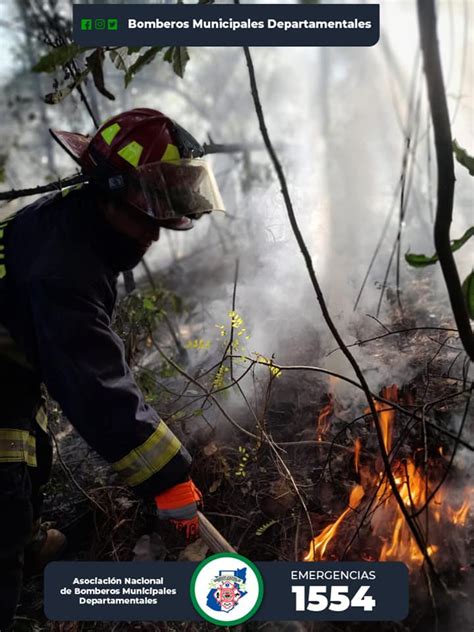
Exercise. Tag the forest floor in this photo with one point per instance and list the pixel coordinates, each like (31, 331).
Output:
(257, 490)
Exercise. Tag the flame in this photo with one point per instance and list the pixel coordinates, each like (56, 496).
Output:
(357, 446)
(403, 546)
(323, 418)
(320, 543)
(412, 487)
(387, 521)
(459, 516)
(387, 416)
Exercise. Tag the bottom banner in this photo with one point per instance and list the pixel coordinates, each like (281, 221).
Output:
(226, 589)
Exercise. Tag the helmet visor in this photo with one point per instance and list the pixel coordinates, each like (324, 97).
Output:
(169, 190)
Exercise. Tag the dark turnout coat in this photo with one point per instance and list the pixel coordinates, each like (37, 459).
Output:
(59, 262)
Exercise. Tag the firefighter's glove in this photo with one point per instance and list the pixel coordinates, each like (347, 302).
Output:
(179, 505)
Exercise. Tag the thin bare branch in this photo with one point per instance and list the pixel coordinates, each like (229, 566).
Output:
(327, 317)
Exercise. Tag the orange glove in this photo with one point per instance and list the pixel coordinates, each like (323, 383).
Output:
(179, 505)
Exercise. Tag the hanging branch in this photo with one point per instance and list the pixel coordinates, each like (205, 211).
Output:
(58, 185)
(445, 164)
(327, 317)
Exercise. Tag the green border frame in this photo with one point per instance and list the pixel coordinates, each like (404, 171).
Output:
(203, 614)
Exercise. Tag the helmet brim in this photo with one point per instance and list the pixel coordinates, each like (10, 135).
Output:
(73, 143)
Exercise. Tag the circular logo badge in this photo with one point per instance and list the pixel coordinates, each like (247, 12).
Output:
(226, 589)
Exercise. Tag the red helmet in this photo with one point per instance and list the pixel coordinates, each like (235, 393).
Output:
(151, 162)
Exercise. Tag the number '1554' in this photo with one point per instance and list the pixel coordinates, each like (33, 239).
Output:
(317, 600)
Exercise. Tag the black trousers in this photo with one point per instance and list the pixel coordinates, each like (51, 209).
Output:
(20, 484)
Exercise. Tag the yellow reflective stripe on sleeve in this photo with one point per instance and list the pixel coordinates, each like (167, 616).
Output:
(2, 247)
(149, 457)
(109, 133)
(3, 272)
(171, 153)
(17, 446)
(131, 153)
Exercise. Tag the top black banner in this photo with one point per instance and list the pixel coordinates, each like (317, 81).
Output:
(226, 25)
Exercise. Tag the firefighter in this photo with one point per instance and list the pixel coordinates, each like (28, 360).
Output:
(59, 261)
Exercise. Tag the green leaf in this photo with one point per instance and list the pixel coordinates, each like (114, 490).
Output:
(468, 291)
(420, 261)
(95, 64)
(133, 49)
(180, 59)
(118, 58)
(149, 304)
(168, 56)
(264, 527)
(142, 61)
(58, 57)
(463, 157)
(56, 97)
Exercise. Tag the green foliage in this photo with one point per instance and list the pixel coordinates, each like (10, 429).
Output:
(198, 343)
(421, 261)
(62, 56)
(178, 56)
(95, 63)
(138, 314)
(274, 370)
(219, 378)
(58, 95)
(144, 310)
(146, 380)
(141, 62)
(264, 527)
(167, 370)
(58, 57)
(137, 317)
(119, 58)
(242, 467)
(463, 157)
(468, 291)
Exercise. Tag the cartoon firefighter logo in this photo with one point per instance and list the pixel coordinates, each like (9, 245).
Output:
(226, 589)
